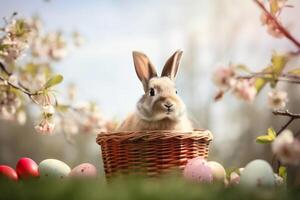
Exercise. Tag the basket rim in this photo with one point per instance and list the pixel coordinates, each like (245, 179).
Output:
(148, 135)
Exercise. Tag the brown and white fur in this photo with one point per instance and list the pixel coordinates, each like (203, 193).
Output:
(160, 108)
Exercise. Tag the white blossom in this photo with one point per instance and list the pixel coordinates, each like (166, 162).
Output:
(245, 89)
(45, 127)
(287, 148)
(277, 99)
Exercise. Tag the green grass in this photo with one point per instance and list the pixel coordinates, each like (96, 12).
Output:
(134, 188)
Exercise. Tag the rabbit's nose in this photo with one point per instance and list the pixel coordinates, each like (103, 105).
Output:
(168, 105)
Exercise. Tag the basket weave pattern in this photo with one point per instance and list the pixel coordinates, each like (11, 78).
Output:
(151, 153)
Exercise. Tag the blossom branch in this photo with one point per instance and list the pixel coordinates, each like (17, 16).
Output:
(283, 77)
(3, 68)
(292, 116)
(287, 113)
(19, 88)
(278, 25)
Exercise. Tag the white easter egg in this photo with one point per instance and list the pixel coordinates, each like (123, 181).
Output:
(52, 168)
(257, 173)
(218, 171)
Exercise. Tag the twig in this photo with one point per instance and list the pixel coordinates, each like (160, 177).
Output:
(282, 29)
(19, 87)
(283, 78)
(4, 69)
(292, 117)
(286, 75)
(286, 113)
(285, 126)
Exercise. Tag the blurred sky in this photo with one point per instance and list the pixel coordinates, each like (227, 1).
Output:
(103, 69)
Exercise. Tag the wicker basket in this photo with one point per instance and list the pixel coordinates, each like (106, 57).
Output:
(151, 153)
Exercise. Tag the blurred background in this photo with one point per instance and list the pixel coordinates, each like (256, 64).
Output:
(210, 32)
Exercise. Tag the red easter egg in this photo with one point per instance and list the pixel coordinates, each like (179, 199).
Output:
(27, 168)
(8, 172)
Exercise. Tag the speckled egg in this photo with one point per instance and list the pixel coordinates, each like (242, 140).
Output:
(197, 170)
(257, 173)
(218, 171)
(84, 170)
(52, 168)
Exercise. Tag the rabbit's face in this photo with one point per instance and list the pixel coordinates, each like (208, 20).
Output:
(161, 101)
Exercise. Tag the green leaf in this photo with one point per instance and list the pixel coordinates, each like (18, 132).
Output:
(278, 63)
(62, 108)
(272, 132)
(4, 46)
(274, 7)
(294, 71)
(261, 82)
(282, 172)
(242, 68)
(263, 139)
(272, 72)
(53, 81)
(20, 28)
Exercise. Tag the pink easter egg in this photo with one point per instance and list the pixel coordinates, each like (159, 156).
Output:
(84, 170)
(197, 170)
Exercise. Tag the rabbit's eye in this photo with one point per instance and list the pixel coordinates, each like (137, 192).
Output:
(176, 91)
(152, 92)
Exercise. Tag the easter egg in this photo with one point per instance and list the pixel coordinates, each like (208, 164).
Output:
(8, 173)
(197, 170)
(257, 173)
(218, 171)
(52, 168)
(86, 170)
(27, 168)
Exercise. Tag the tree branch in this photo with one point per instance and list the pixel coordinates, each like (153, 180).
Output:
(4, 69)
(278, 25)
(287, 113)
(293, 79)
(292, 116)
(19, 87)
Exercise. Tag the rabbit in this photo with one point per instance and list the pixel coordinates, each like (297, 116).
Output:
(160, 108)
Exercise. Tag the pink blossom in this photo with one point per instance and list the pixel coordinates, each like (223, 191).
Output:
(287, 148)
(245, 89)
(277, 99)
(223, 77)
(45, 127)
(272, 29)
(234, 178)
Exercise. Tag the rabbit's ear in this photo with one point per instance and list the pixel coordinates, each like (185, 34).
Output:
(143, 67)
(171, 67)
